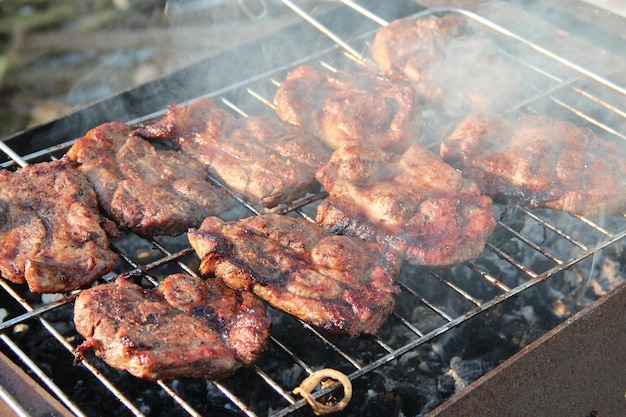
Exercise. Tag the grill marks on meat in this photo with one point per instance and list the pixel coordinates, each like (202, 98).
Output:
(451, 69)
(150, 191)
(185, 327)
(51, 234)
(414, 204)
(343, 108)
(336, 283)
(261, 159)
(541, 162)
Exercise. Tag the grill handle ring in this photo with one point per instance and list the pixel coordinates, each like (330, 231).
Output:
(324, 376)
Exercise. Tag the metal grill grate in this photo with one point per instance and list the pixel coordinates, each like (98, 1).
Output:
(527, 248)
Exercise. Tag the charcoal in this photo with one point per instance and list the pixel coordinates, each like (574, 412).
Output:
(378, 405)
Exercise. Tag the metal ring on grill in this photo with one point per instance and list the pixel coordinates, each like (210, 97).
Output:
(309, 384)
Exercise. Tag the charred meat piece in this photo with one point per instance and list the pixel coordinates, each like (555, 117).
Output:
(343, 108)
(147, 190)
(51, 233)
(336, 283)
(541, 162)
(452, 69)
(412, 203)
(261, 159)
(185, 327)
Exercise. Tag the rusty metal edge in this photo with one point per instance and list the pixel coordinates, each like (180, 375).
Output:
(576, 369)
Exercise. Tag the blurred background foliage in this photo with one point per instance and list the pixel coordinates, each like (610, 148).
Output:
(56, 55)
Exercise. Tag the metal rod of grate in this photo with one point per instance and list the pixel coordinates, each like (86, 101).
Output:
(606, 236)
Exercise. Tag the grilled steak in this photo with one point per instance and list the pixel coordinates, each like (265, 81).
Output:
(342, 108)
(51, 234)
(185, 327)
(262, 159)
(451, 69)
(540, 162)
(149, 191)
(412, 203)
(336, 283)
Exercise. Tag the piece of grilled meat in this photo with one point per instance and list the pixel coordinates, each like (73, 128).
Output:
(337, 283)
(342, 108)
(540, 162)
(185, 327)
(51, 233)
(259, 158)
(147, 190)
(451, 69)
(412, 203)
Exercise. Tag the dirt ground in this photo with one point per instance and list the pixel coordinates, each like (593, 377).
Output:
(60, 54)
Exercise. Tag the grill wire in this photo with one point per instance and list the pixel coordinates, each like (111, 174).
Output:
(556, 242)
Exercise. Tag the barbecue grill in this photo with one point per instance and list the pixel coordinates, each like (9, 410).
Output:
(529, 249)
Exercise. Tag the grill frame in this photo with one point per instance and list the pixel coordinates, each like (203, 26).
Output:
(25, 145)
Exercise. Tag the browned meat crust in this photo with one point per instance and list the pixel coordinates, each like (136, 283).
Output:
(541, 162)
(336, 283)
(185, 327)
(451, 69)
(51, 233)
(343, 108)
(413, 203)
(149, 191)
(261, 159)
